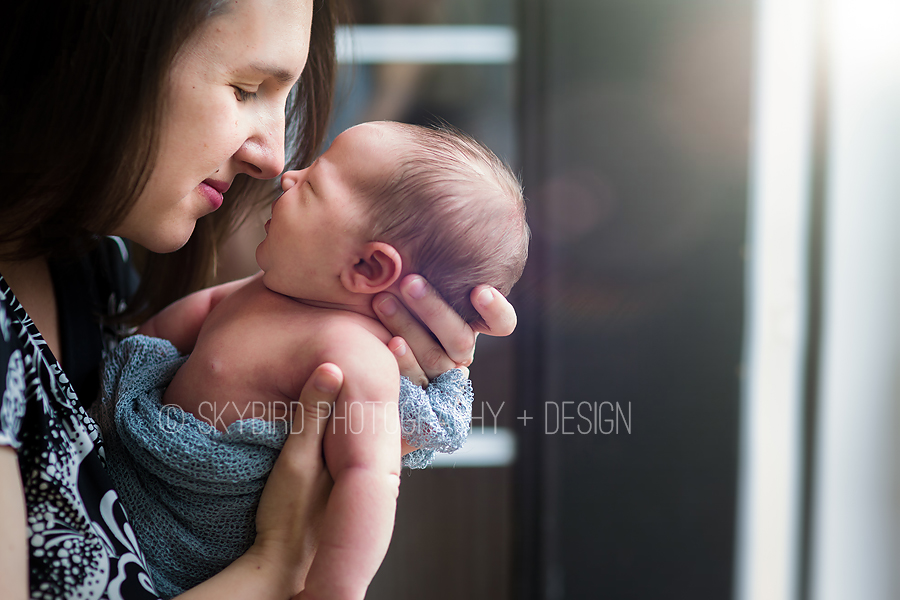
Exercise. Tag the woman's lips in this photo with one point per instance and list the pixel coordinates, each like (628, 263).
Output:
(213, 191)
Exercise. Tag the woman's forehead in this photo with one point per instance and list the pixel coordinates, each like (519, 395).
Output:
(268, 37)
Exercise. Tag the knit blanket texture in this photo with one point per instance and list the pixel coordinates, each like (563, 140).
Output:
(190, 490)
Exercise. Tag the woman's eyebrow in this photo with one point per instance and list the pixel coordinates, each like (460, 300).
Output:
(280, 75)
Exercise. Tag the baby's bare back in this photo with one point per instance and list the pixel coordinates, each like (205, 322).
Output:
(255, 352)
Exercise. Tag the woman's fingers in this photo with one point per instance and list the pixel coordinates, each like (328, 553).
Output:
(427, 352)
(455, 345)
(301, 461)
(498, 314)
(454, 334)
(406, 360)
(316, 401)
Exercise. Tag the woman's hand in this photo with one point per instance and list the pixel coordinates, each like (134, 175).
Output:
(291, 508)
(293, 502)
(455, 344)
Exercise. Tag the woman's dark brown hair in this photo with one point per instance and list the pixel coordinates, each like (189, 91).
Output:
(82, 87)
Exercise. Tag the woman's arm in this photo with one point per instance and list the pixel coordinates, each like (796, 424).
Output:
(455, 345)
(14, 544)
(180, 322)
(291, 508)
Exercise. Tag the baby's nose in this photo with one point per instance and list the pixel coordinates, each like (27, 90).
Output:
(289, 180)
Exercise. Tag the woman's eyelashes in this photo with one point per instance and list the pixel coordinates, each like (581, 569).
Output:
(244, 95)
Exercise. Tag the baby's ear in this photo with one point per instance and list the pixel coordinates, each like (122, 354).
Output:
(378, 266)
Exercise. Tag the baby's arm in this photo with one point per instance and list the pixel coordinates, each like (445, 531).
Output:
(180, 322)
(362, 452)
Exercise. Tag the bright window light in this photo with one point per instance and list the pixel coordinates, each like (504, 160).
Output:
(434, 44)
(486, 448)
(769, 490)
(855, 544)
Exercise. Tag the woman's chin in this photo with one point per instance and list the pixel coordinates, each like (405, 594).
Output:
(164, 244)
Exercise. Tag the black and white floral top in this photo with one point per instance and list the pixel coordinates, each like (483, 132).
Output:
(81, 545)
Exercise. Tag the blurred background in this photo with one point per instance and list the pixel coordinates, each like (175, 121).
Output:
(701, 398)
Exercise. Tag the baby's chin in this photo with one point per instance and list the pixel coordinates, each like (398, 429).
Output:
(260, 256)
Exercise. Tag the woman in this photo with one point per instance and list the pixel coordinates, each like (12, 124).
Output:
(133, 121)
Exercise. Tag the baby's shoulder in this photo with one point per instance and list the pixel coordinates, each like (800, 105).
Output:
(345, 332)
(354, 345)
(298, 348)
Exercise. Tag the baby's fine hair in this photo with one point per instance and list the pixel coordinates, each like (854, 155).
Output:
(455, 211)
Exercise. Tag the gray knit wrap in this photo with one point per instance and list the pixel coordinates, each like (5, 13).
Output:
(191, 491)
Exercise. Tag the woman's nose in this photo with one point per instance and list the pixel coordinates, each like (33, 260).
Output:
(262, 155)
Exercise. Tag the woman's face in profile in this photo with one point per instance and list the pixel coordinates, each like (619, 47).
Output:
(224, 115)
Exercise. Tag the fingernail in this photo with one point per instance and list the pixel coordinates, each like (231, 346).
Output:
(388, 307)
(400, 350)
(326, 382)
(416, 288)
(485, 297)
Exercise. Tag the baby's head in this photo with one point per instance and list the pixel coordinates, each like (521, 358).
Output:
(388, 199)
(453, 210)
